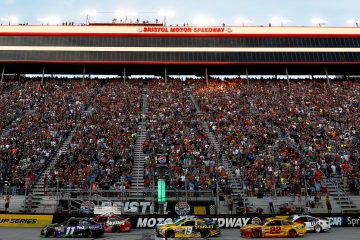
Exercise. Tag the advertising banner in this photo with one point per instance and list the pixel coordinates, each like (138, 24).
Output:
(15, 220)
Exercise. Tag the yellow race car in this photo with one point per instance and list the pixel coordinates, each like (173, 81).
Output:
(189, 228)
(273, 227)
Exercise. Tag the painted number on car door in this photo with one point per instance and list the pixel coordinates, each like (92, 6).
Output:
(275, 230)
(188, 230)
(70, 230)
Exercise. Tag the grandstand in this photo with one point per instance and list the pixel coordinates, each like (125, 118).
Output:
(242, 138)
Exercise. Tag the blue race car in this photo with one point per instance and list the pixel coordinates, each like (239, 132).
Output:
(74, 227)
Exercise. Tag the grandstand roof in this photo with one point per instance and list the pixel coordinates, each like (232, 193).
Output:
(107, 49)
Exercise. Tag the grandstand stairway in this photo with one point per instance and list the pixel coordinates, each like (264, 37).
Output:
(38, 189)
(335, 189)
(138, 167)
(224, 162)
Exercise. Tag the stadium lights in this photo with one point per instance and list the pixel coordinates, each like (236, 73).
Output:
(11, 19)
(242, 21)
(319, 21)
(353, 21)
(203, 21)
(281, 21)
(49, 20)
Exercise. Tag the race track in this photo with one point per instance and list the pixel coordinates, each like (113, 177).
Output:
(136, 234)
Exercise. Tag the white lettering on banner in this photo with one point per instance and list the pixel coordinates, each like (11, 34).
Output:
(129, 207)
(150, 222)
(232, 222)
(336, 221)
(353, 221)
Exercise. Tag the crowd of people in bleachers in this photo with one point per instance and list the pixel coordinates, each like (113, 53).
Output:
(101, 153)
(283, 137)
(280, 138)
(176, 133)
(43, 117)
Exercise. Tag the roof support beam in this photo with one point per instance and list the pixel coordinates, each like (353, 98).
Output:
(2, 74)
(287, 76)
(206, 76)
(327, 76)
(165, 75)
(124, 77)
(247, 76)
(42, 76)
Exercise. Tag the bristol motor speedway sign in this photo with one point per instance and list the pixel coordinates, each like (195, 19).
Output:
(238, 222)
(224, 222)
(185, 29)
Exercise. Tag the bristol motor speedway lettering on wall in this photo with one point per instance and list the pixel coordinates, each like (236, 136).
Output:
(227, 222)
(185, 30)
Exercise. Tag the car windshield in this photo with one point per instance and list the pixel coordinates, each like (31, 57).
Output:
(179, 220)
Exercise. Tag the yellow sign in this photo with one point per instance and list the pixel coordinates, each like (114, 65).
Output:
(199, 210)
(15, 220)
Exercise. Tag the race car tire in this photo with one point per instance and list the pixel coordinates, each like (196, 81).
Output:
(88, 234)
(318, 229)
(170, 234)
(115, 229)
(50, 233)
(256, 234)
(292, 233)
(205, 234)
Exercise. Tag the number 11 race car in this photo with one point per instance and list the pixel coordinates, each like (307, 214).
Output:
(74, 227)
(272, 227)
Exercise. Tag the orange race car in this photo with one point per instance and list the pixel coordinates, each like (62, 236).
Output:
(273, 227)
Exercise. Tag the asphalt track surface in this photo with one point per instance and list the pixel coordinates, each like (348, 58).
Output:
(148, 234)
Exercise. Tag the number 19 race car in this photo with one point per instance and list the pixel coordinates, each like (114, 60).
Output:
(273, 227)
(74, 227)
(189, 228)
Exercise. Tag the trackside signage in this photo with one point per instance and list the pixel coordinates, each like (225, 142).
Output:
(14, 220)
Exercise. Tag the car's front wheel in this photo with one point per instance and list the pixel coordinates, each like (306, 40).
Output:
(116, 229)
(205, 234)
(292, 233)
(88, 234)
(317, 229)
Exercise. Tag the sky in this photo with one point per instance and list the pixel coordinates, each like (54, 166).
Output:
(192, 12)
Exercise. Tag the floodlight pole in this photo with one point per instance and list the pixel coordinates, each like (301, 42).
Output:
(165, 75)
(206, 76)
(2, 75)
(327, 76)
(287, 76)
(247, 76)
(42, 77)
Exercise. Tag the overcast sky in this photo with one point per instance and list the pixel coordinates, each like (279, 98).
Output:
(195, 12)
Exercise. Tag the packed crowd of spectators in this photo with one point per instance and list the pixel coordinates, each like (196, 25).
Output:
(101, 153)
(280, 138)
(283, 137)
(44, 114)
(175, 133)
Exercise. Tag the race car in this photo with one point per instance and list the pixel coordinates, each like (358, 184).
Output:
(273, 227)
(113, 223)
(74, 227)
(189, 228)
(312, 223)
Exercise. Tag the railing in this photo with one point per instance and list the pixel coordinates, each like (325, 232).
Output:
(132, 194)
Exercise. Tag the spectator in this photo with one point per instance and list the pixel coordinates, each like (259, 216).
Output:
(328, 204)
